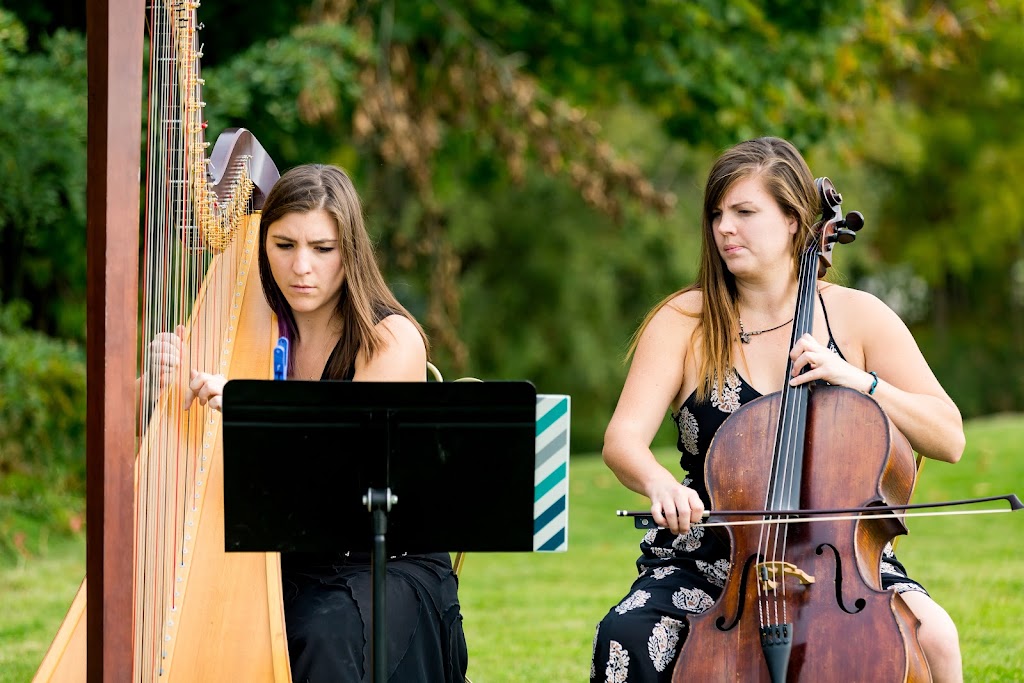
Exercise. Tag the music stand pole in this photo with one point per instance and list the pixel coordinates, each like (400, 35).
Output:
(379, 502)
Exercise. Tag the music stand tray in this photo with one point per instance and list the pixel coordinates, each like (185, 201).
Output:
(300, 456)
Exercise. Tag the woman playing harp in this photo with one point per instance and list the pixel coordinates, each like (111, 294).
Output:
(330, 298)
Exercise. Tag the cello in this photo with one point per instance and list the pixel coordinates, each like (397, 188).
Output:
(804, 602)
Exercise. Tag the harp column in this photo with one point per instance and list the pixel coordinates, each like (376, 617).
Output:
(114, 29)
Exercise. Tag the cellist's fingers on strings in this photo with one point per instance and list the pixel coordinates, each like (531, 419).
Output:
(812, 360)
(205, 388)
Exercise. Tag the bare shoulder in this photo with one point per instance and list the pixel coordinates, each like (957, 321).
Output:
(402, 356)
(865, 327)
(681, 311)
(689, 303)
(666, 337)
(658, 365)
(857, 305)
(397, 329)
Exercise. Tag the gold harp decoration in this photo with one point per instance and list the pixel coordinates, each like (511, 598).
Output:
(197, 613)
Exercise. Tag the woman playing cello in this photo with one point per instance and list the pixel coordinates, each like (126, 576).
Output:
(722, 342)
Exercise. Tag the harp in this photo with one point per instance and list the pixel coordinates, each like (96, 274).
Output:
(163, 601)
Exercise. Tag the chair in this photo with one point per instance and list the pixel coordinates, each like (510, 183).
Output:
(920, 468)
(460, 556)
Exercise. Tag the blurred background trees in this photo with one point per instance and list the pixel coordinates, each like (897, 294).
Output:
(533, 170)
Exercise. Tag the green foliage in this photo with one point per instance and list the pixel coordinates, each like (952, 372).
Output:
(943, 162)
(42, 434)
(280, 89)
(979, 364)
(713, 72)
(42, 402)
(550, 291)
(42, 171)
(12, 39)
(545, 287)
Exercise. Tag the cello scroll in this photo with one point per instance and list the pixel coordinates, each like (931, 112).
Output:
(834, 227)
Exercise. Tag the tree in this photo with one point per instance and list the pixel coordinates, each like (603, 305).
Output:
(42, 172)
(470, 125)
(945, 155)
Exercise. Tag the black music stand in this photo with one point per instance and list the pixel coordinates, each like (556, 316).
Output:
(386, 467)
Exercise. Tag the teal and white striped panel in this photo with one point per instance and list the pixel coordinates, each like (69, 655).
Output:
(551, 475)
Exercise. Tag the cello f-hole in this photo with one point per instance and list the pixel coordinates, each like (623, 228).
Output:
(858, 604)
(720, 623)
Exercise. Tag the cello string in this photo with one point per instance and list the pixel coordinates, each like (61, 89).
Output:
(772, 537)
(766, 550)
(793, 425)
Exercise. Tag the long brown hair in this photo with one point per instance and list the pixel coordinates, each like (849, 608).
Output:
(787, 178)
(365, 296)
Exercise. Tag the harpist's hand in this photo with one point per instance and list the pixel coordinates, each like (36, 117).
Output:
(207, 388)
(675, 506)
(165, 356)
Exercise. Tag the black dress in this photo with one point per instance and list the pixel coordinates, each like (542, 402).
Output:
(639, 639)
(328, 618)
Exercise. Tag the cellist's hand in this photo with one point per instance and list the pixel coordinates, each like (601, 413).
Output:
(675, 506)
(826, 365)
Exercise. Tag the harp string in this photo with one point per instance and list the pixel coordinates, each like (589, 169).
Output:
(189, 267)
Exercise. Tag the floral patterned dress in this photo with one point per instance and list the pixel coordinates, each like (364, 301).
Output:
(639, 638)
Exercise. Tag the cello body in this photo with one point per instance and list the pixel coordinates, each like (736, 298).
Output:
(844, 625)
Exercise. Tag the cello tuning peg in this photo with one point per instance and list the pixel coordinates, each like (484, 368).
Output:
(845, 235)
(854, 221)
(841, 235)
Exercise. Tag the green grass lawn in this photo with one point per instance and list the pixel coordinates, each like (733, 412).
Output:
(531, 617)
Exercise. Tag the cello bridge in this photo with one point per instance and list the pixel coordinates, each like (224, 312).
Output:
(770, 573)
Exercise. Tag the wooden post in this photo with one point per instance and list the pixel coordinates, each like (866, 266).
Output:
(114, 30)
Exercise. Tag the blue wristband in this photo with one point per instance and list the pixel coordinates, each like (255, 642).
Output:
(874, 384)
